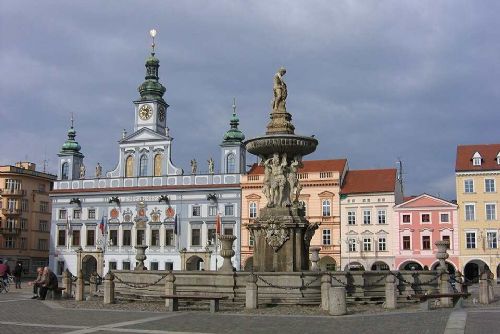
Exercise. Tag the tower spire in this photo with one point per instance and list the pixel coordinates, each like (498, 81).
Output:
(234, 134)
(151, 88)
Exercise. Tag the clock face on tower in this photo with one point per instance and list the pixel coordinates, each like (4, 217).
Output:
(145, 112)
(161, 113)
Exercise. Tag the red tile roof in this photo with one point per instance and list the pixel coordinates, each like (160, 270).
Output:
(332, 165)
(369, 181)
(488, 154)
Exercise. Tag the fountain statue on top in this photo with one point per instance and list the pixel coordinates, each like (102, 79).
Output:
(282, 234)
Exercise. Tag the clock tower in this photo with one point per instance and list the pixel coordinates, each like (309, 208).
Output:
(151, 108)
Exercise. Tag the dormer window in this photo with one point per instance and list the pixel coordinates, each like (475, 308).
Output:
(476, 159)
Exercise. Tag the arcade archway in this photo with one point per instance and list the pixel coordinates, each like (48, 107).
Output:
(248, 264)
(410, 265)
(89, 266)
(327, 263)
(195, 263)
(380, 265)
(473, 269)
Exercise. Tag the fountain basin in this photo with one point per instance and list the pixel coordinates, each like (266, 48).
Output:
(290, 144)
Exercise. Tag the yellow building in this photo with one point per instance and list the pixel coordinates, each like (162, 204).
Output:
(477, 180)
(320, 180)
(25, 213)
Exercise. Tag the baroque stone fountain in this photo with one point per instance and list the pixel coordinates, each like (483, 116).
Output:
(281, 232)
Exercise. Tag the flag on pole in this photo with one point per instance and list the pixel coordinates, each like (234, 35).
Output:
(217, 224)
(176, 228)
(102, 225)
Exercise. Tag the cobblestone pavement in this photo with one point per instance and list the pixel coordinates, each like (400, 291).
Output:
(21, 315)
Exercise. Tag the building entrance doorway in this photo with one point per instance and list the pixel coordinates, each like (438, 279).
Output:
(89, 265)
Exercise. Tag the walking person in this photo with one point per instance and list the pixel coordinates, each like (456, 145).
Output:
(18, 271)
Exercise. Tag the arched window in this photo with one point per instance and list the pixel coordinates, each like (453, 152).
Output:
(230, 163)
(326, 208)
(253, 210)
(143, 165)
(157, 165)
(129, 166)
(65, 171)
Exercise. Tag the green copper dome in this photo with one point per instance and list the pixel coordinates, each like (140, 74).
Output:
(71, 146)
(234, 134)
(151, 88)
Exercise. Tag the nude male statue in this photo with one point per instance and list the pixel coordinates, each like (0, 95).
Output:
(279, 90)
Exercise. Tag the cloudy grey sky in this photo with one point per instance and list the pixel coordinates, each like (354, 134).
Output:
(373, 80)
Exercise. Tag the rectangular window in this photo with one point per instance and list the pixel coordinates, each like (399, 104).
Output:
(10, 242)
(251, 240)
(169, 237)
(154, 266)
(326, 208)
(228, 231)
(327, 237)
(60, 267)
(406, 218)
(75, 240)
(112, 265)
(425, 218)
(492, 239)
(211, 235)
(381, 217)
(196, 211)
(91, 214)
(469, 186)
(24, 243)
(447, 238)
(24, 224)
(470, 212)
(61, 238)
(229, 210)
(352, 245)
(43, 244)
(426, 242)
(127, 238)
(44, 207)
(406, 242)
(140, 237)
(470, 240)
(491, 211)
(77, 214)
(444, 218)
(253, 210)
(489, 185)
(367, 217)
(212, 210)
(351, 217)
(169, 266)
(24, 205)
(62, 214)
(382, 245)
(90, 237)
(43, 225)
(113, 237)
(126, 265)
(367, 245)
(155, 239)
(195, 237)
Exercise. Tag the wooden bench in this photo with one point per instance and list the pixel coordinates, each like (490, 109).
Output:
(56, 293)
(214, 301)
(426, 298)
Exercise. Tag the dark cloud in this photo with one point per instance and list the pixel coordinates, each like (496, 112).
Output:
(373, 80)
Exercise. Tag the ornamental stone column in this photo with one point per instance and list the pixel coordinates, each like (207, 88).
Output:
(170, 289)
(227, 252)
(252, 293)
(140, 257)
(391, 294)
(445, 288)
(326, 283)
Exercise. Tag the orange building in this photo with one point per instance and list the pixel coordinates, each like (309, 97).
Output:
(25, 213)
(321, 181)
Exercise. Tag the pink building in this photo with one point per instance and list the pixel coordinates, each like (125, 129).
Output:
(423, 220)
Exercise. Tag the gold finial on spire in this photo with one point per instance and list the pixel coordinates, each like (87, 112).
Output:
(152, 33)
(234, 106)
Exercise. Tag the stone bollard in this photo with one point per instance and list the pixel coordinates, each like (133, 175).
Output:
(67, 284)
(445, 288)
(170, 304)
(109, 288)
(326, 283)
(484, 294)
(491, 293)
(252, 293)
(337, 300)
(391, 293)
(79, 287)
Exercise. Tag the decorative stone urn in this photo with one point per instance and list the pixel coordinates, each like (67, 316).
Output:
(281, 233)
(315, 258)
(442, 253)
(227, 251)
(140, 257)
